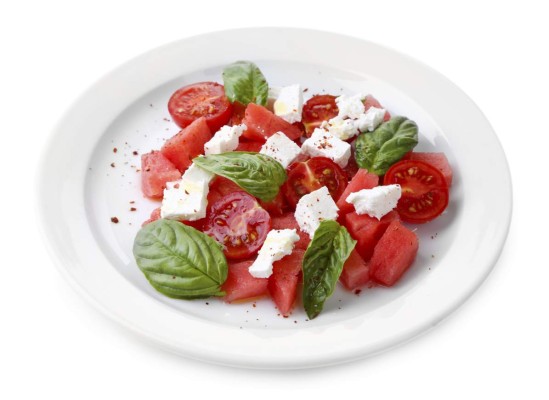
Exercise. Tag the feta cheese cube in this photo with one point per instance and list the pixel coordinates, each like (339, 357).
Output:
(324, 144)
(370, 120)
(281, 148)
(289, 103)
(350, 106)
(341, 128)
(313, 208)
(375, 202)
(278, 244)
(225, 139)
(186, 199)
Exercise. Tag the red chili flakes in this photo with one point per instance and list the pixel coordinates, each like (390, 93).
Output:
(113, 165)
(358, 291)
(132, 202)
(133, 209)
(115, 220)
(135, 152)
(305, 90)
(114, 150)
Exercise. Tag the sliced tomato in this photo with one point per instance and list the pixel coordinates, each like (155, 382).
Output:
(308, 176)
(203, 99)
(424, 190)
(238, 222)
(317, 109)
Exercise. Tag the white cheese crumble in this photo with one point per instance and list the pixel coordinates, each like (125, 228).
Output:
(343, 129)
(370, 120)
(225, 139)
(375, 202)
(289, 103)
(324, 144)
(313, 208)
(350, 106)
(186, 199)
(281, 148)
(278, 244)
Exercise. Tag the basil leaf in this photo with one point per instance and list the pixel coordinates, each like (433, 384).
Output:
(258, 174)
(322, 264)
(245, 83)
(180, 261)
(378, 150)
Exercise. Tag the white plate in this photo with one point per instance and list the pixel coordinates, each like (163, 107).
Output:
(79, 192)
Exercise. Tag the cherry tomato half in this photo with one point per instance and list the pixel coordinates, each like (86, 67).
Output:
(317, 109)
(238, 222)
(204, 99)
(308, 176)
(424, 190)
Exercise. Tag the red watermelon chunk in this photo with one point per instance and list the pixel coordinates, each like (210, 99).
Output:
(367, 230)
(241, 285)
(287, 221)
(155, 214)
(283, 283)
(356, 272)
(187, 144)
(261, 123)
(437, 160)
(275, 206)
(371, 101)
(248, 145)
(156, 170)
(362, 180)
(394, 254)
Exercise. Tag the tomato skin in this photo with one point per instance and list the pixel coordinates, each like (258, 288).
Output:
(239, 223)
(307, 176)
(317, 109)
(203, 99)
(424, 190)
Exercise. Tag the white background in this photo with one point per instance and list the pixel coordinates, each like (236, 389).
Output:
(54, 344)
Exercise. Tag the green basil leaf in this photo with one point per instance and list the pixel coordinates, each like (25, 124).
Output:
(258, 174)
(378, 150)
(322, 264)
(180, 261)
(245, 83)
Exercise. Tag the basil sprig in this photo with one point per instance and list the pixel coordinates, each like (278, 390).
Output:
(245, 83)
(258, 174)
(180, 261)
(322, 264)
(378, 150)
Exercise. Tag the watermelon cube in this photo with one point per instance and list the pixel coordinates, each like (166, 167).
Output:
(394, 254)
(362, 180)
(248, 145)
(367, 230)
(241, 285)
(437, 160)
(356, 272)
(187, 144)
(155, 214)
(371, 101)
(156, 170)
(284, 281)
(262, 123)
(287, 221)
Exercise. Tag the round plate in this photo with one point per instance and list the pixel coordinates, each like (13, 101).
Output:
(90, 174)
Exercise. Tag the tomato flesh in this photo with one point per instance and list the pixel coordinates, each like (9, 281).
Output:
(424, 190)
(308, 176)
(203, 99)
(317, 109)
(238, 222)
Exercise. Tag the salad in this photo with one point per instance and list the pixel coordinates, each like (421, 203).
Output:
(265, 194)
